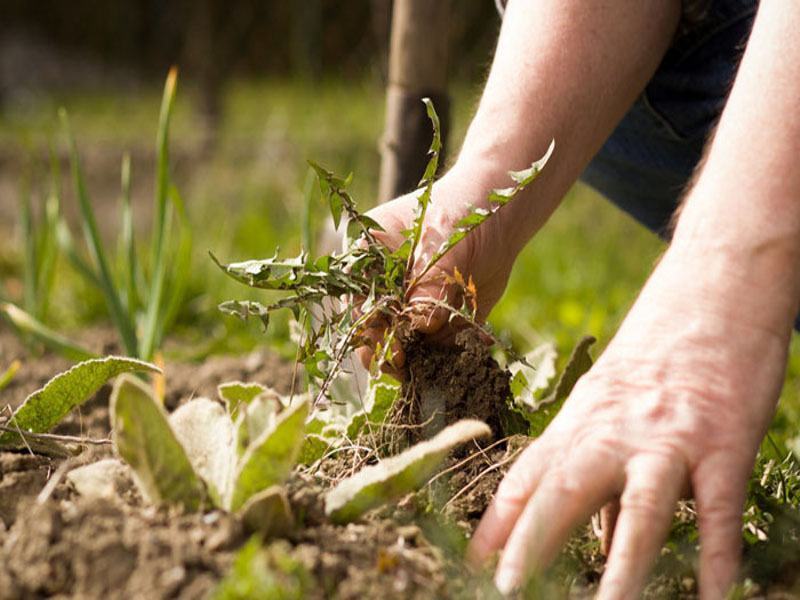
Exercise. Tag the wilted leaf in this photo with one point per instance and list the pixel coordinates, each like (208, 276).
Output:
(580, 361)
(396, 476)
(206, 433)
(44, 408)
(234, 393)
(268, 513)
(144, 439)
(270, 458)
(530, 380)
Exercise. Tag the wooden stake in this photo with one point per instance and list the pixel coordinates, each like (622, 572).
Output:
(417, 68)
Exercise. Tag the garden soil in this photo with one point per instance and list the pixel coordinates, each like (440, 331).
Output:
(54, 543)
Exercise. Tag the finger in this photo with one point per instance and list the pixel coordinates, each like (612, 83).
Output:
(719, 492)
(566, 496)
(608, 521)
(509, 501)
(652, 489)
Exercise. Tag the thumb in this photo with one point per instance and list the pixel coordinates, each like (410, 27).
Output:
(429, 300)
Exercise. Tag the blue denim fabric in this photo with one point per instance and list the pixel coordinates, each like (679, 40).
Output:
(646, 163)
(648, 160)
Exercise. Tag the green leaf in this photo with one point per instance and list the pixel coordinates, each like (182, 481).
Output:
(268, 513)
(44, 408)
(245, 309)
(26, 323)
(234, 393)
(396, 476)
(207, 434)
(529, 378)
(381, 395)
(261, 414)
(271, 457)
(145, 440)
(94, 242)
(8, 375)
(497, 199)
(580, 361)
(265, 573)
(158, 255)
(314, 447)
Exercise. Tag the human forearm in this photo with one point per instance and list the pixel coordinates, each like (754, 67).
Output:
(742, 217)
(563, 70)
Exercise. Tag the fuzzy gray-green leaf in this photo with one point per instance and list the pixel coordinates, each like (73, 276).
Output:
(234, 393)
(270, 458)
(580, 361)
(145, 440)
(44, 408)
(396, 476)
(207, 434)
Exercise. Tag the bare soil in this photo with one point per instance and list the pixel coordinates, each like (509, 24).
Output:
(54, 543)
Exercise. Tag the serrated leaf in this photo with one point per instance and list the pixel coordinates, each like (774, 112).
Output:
(207, 434)
(236, 393)
(396, 476)
(580, 361)
(477, 215)
(529, 378)
(270, 458)
(268, 513)
(245, 309)
(44, 408)
(145, 440)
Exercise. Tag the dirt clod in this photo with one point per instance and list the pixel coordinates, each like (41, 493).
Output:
(456, 382)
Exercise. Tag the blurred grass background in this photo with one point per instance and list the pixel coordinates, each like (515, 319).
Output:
(275, 109)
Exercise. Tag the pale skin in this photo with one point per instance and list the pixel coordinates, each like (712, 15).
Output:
(682, 396)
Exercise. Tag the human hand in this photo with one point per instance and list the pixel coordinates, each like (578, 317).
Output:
(679, 402)
(478, 256)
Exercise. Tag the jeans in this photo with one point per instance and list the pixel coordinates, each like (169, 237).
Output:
(650, 157)
(647, 162)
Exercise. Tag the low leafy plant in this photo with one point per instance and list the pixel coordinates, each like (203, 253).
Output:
(46, 407)
(203, 454)
(142, 304)
(238, 456)
(366, 270)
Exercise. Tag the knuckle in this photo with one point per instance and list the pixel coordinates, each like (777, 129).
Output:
(641, 499)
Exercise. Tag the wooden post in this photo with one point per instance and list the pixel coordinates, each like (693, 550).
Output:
(417, 68)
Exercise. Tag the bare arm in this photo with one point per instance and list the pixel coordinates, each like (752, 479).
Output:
(685, 391)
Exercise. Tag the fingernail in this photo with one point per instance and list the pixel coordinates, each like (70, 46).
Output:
(506, 581)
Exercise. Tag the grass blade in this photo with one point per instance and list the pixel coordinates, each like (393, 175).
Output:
(182, 262)
(48, 244)
(29, 240)
(128, 245)
(67, 245)
(118, 315)
(28, 324)
(158, 258)
(8, 375)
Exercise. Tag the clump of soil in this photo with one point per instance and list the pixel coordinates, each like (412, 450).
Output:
(448, 383)
(100, 549)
